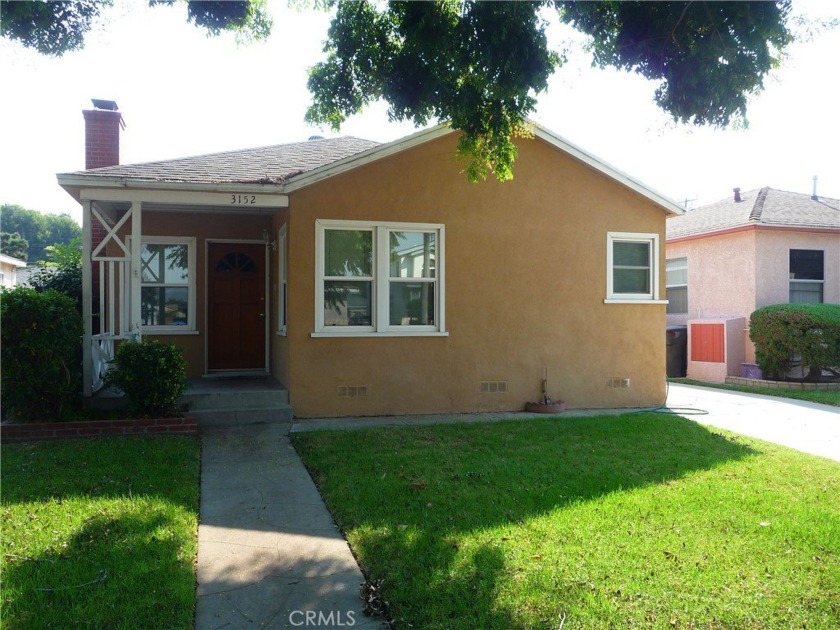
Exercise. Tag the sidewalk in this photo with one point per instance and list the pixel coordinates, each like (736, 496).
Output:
(269, 554)
(805, 426)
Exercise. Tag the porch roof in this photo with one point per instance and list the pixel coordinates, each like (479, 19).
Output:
(264, 165)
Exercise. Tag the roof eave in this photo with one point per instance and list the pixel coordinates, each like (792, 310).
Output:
(73, 184)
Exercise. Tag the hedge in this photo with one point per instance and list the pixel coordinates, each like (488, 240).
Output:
(782, 331)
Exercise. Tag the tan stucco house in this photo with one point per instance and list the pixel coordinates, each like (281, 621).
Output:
(374, 278)
(727, 259)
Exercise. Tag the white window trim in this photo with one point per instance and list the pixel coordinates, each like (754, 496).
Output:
(634, 298)
(282, 280)
(380, 280)
(190, 242)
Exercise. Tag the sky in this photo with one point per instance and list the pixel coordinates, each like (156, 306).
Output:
(182, 93)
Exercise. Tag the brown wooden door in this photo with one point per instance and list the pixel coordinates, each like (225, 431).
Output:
(236, 303)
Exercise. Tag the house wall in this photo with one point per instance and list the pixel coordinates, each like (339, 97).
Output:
(204, 227)
(721, 275)
(773, 263)
(525, 287)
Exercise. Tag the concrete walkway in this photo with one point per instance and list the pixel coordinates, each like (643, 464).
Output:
(805, 426)
(269, 554)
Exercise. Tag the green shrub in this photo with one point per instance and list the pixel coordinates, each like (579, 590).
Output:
(62, 271)
(152, 374)
(41, 354)
(811, 331)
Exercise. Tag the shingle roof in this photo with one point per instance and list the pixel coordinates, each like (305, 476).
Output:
(764, 206)
(263, 165)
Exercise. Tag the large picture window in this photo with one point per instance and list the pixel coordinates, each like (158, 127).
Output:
(807, 276)
(379, 278)
(632, 267)
(167, 288)
(676, 285)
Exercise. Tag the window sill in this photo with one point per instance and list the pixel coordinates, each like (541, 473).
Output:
(390, 333)
(166, 331)
(633, 301)
(282, 333)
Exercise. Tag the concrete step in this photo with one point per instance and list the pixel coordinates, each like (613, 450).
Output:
(229, 417)
(199, 401)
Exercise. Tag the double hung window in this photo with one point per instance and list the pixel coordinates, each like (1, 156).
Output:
(167, 286)
(676, 285)
(807, 275)
(379, 278)
(632, 267)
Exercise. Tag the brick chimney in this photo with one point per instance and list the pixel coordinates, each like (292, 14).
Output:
(102, 134)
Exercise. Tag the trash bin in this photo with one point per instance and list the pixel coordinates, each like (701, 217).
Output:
(676, 342)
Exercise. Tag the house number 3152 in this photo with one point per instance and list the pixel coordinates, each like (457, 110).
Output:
(243, 200)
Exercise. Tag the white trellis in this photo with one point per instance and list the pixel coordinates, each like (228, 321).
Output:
(118, 299)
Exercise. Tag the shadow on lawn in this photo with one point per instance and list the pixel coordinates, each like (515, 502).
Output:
(424, 487)
(126, 572)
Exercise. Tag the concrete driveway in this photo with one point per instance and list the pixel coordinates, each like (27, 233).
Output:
(805, 426)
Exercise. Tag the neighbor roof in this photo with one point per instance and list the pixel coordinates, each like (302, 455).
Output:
(764, 206)
(265, 165)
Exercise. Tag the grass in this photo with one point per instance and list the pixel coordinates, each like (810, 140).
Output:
(100, 533)
(825, 397)
(638, 521)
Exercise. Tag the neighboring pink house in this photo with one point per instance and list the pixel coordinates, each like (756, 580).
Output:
(727, 259)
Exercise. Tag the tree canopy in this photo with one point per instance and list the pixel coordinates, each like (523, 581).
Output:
(39, 230)
(481, 65)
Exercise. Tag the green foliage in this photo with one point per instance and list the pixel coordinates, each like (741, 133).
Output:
(478, 65)
(708, 56)
(54, 28)
(40, 230)
(811, 331)
(62, 271)
(51, 28)
(14, 245)
(41, 354)
(152, 374)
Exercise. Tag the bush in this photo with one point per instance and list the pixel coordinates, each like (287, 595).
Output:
(782, 331)
(62, 271)
(41, 354)
(152, 374)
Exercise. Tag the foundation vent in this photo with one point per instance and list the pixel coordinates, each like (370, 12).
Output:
(352, 391)
(617, 382)
(494, 387)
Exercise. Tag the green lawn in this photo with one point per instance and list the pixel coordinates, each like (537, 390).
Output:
(100, 533)
(638, 521)
(824, 397)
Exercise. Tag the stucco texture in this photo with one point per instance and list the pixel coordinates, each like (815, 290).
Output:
(525, 285)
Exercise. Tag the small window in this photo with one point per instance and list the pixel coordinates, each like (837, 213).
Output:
(167, 288)
(806, 276)
(632, 267)
(379, 278)
(282, 281)
(676, 285)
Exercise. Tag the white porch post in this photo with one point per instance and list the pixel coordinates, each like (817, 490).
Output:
(87, 302)
(136, 267)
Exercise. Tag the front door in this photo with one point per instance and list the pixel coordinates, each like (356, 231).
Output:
(236, 306)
